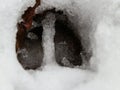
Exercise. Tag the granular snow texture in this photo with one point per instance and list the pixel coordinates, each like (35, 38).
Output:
(99, 24)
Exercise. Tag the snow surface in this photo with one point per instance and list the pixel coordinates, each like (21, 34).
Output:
(98, 22)
(48, 39)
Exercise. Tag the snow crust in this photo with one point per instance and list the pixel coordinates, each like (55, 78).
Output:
(98, 22)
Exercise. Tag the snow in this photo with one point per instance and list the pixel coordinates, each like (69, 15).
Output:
(99, 24)
(48, 37)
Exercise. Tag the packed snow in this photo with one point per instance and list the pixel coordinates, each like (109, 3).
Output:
(97, 21)
(48, 39)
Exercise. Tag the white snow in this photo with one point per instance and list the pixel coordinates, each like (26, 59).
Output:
(98, 22)
(48, 37)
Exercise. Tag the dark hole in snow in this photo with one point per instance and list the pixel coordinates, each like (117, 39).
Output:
(31, 55)
(67, 45)
(69, 51)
